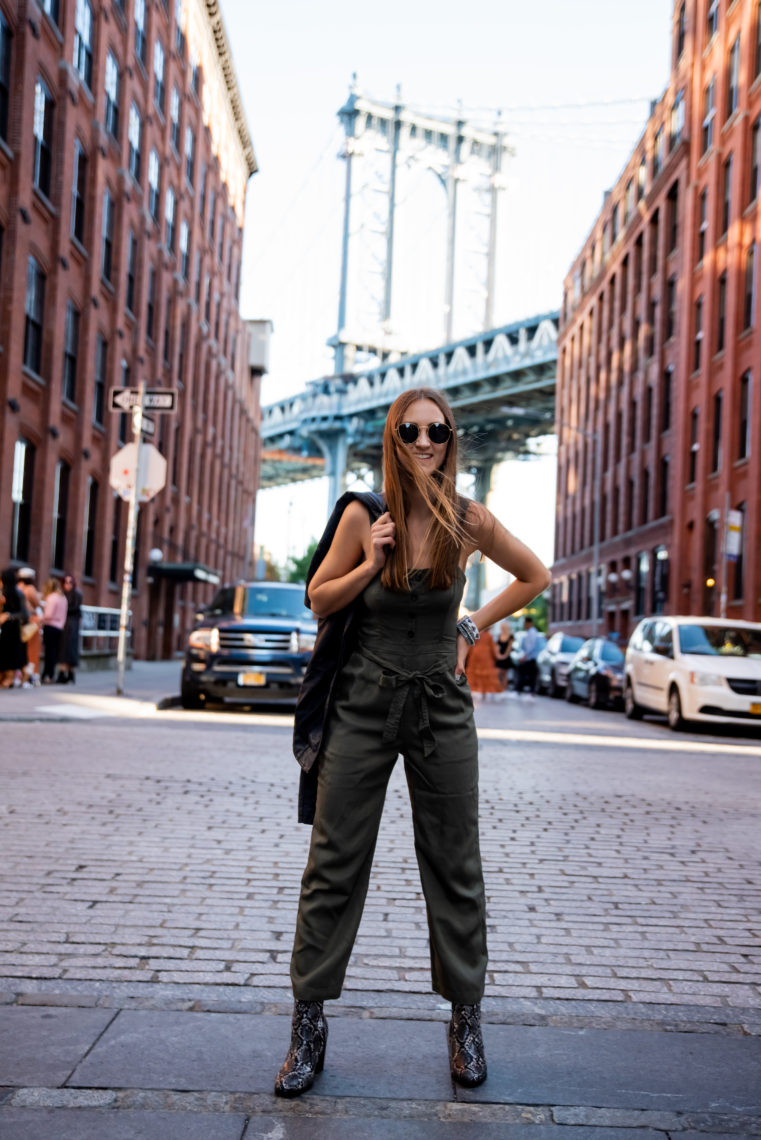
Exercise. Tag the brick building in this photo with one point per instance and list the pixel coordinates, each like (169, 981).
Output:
(124, 162)
(660, 352)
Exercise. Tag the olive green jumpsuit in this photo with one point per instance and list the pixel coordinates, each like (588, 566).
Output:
(397, 694)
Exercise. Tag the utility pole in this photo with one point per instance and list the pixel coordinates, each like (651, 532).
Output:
(129, 545)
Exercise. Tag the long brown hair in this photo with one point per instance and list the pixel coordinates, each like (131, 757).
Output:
(447, 533)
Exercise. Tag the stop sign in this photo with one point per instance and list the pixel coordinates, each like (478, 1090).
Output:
(151, 477)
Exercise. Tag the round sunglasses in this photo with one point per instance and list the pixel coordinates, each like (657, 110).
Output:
(437, 433)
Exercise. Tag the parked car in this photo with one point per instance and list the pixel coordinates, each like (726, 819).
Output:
(694, 669)
(554, 660)
(596, 673)
(252, 643)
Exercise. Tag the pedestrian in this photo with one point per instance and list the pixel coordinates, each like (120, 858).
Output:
(54, 612)
(70, 641)
(481, 666)
(13, 616)
(26, 584)
(504, 647)
(527, 667)
(397, 582)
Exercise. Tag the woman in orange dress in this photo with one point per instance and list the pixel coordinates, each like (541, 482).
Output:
(481, 666)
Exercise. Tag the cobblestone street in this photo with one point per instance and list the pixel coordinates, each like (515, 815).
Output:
(154, 863)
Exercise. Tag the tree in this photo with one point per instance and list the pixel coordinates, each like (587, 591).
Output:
(299, 566)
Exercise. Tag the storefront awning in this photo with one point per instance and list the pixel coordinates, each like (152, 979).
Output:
(183, 572)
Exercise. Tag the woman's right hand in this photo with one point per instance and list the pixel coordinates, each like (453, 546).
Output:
(383, 539)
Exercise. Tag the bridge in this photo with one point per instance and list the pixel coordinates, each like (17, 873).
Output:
(500, 383)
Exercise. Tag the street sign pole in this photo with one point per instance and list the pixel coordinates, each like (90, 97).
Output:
(129, 546)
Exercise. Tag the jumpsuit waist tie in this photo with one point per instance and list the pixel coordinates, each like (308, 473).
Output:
(402, 681)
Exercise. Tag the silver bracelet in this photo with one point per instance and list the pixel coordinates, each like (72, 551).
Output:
(468, 629)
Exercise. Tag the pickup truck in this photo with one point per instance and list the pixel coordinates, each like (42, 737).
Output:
(252, 643)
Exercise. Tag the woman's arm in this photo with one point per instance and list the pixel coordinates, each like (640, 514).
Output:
(357, 553)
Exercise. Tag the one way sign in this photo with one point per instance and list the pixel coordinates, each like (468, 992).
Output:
(155, 399)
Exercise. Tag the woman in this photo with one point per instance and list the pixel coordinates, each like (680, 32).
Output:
(481, 666)
(55, 608)
(70, 640)
(504, 648)
(13, 614)
(33, 600)
(403, 690)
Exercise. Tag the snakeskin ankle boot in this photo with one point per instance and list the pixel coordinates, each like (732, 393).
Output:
(466, 1045)
(306, 1056)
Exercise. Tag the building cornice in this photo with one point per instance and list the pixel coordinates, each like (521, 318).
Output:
(217, 26)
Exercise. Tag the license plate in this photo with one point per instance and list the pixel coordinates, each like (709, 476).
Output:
(252, 679)
(755, 708)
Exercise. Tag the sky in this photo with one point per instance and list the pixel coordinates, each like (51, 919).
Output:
(574, 80)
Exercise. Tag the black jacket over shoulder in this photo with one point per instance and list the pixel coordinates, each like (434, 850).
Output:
(333, 645)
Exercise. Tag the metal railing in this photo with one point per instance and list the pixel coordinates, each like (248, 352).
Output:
(99, 631)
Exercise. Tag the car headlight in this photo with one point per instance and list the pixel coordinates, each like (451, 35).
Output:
(204, 639)
(302, 642)
(707, 679)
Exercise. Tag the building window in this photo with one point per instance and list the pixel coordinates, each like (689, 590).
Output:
(135, 140)
(6, 40)
(654, 232)
(159, 91)
(638, 259)
(83, 41)
(169, 208)
(743, 438)
(710, 563)
(167, 338)
(34, 310)
(202, 194)
(726, 201)
(107, 252)
(91, 518)
(52, 9)
(676, 125)
(131, 271)
(628, 201)
(140, 38)
(212, 219)
(709, 113)
(643, 573)
(660, 579)
(70, 352)
(647, 425)
(195, 74)
(101, 368)
(652, 320)
(22, 485)
(116, 530)
(658, 152)
(721, 314)
(174, 118)
(154, 184)
(642, 177)
(184, 248)
(755, 159)
(703, 227)
(60, 513)
(716, 443)
(681, 30)
(694, 446)
(645, 501)
(749, 293)
(111, 120)
(79, 193)
(197, 290)
(663, 497)
(668, 385)
(670, 308)
(738, 585)
(150, 312)
(190, 153)
(630, 505)
(672, 218)
(43, 137)
(698, 343)
(178, 28)
(712, 19)
(733, 77)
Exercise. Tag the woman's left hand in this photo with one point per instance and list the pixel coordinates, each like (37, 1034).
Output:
(462, 653)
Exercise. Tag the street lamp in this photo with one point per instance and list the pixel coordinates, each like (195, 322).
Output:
(596, 473)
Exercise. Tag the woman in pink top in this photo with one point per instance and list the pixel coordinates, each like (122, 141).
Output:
(53, 621)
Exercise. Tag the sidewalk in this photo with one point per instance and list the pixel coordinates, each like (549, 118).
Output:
(145, 683)
(76, 1068)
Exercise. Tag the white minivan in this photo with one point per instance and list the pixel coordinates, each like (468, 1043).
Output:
(694, 669)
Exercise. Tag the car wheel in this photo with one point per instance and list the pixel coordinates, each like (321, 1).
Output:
(631, 709)
(570, 696)
(190, 698)
(676, 720)
(556, 690)
(594, 697)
